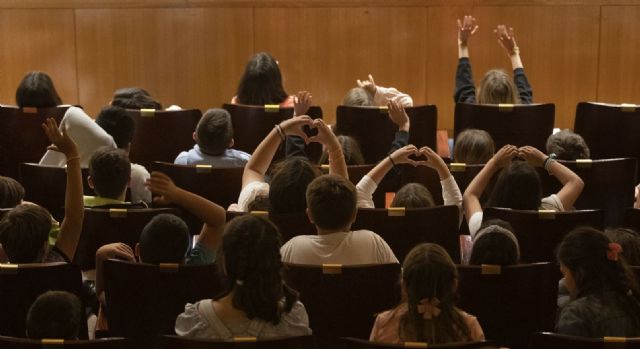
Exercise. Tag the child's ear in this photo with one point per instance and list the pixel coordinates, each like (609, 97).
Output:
(136, 250)
(309, 215)
(90, 181)
(231, 143)
(193, 135)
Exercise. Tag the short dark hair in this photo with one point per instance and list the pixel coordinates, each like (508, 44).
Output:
(110, 170)
(24, 231)
(134, 98)
(350, 150)
(568, 146)
(128, 92)
(495, 243)
(118, 124)
(473, 146)
(165, 239)
(413, 195)
(11, 192)
(332, 201)
(37, 90)
(55, 315)
(214, 131)
(261, 82)
(288, 186)
(517, 187)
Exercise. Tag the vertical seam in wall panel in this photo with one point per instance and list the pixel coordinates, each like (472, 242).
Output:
(599, 54)
(75, 44)
(253, 30)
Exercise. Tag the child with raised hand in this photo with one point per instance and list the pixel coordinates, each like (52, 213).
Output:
(257, 303)
(368, 94)
(428, 312)
(605, 297)
(496, 86)
(24, 231)
(518, 185)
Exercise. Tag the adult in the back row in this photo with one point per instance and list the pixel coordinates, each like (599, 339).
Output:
(496, 86)
(261, 83)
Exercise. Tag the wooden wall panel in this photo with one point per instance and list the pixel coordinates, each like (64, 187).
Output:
(189, 57)
(324, 50)
(37, 40)
(619, 70)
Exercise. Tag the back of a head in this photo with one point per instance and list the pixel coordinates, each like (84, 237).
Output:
(116, 122)
(253, 265)
(473, 146)
(358, 97)
(24, 233)
(128, 92)
(288, 185)
(495, 243)
(261, 82)
(497, 87)
(567, 146)
(110, 171)
(517, 187)
(36, 90)
(413, 195)
(11, 192)
(165, 239)
(350, 150)
(629, 239)
(429, 275)
(214, 131)
(332, 202)
(134, 98)
(55, 315)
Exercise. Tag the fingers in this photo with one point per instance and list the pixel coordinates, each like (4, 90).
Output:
(360, 83)
(371, 79)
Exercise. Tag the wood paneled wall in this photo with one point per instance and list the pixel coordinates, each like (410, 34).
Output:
(192, 52)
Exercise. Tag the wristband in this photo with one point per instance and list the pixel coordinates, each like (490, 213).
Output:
(72, 158)
(392, 162)
(280, 132)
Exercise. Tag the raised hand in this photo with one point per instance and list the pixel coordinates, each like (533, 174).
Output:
(506, 39)
(503, 157)
(162, 187)
(60, 140)
(401, 156)
(398, 115)
(368, 85)
(301, 102)
(466, 28)
(434, 161)
(295, 125)
(325, 136)
(533, 156)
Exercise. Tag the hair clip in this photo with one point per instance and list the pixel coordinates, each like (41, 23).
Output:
(614, 251)
(429, 308)
(239, 282)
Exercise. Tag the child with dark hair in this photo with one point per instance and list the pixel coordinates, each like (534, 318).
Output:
(257, 303)
(428, 312)
(495, 244)
(109, 177)
(11, 192)
(134, 98)
(368, 94)
(473, 146)
(629, 240)
(331, 202)
(567, 145)
(605, 297)
(24, 230)
(518, 185)
(350, 149)
(36, 90)
(55, 315)
(261, 83)
(214, 142)
(497, 86)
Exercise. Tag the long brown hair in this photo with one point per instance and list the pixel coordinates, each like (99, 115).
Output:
(497, 87)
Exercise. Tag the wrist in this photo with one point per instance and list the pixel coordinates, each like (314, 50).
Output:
(404, 127)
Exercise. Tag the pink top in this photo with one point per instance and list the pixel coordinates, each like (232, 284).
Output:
(387, 325)
(287, 103)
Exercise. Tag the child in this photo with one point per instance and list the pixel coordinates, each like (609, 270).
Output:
(331, 202)
(496, 87)
(518, 185)
(368, 94)
(11, 192)
(134, 98)
(36, 90)
(55, 315)
(214, 139)
(427, 312)
(24, 231)
(605, 297)
(109, 177)
(473, 146)
(258, 303)
(567, 146)
(495, 244)
(629, 239)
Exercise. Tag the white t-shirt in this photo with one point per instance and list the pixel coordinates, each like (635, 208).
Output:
(347, 248)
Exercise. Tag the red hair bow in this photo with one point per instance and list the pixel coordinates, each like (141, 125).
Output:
(429, 308)
(613, 254)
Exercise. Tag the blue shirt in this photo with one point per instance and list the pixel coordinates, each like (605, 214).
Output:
(230, 158)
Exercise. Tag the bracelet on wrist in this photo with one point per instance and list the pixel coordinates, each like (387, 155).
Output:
(392, 162)
(283, 137)
(72, 158)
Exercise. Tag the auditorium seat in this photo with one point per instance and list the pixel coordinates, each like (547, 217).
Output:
(465, 173)
(21, 284)
(519, 125)
(143, 300)
(23, 343)
(548, 340)
(374, 131)
(632, 219)
(175, 342)
(510, 302)
(161, 135)
(355, 343)
(251, 124)
(540, 231)
(21, 136)
(343, 300)
(103, 226)
(404, 228)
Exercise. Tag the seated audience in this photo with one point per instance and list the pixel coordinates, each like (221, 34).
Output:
(109, 177)
(257, 302)
(428, 312)
(368, 94)
(36, 90)
(55, 315)
(24, 230)
(518, 185)
(134, 98)
(567, 145)
(214, 142)
(350, 149)
(11, 192)
(497, 86)
(495, 244)
(629, 240)
(473, 146)
(331, 202)
(605, 297)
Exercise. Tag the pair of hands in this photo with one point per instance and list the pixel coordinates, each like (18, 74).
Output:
(506, 154)
(506, 37)
(295, 127)
(60, 140)
(402, 156)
